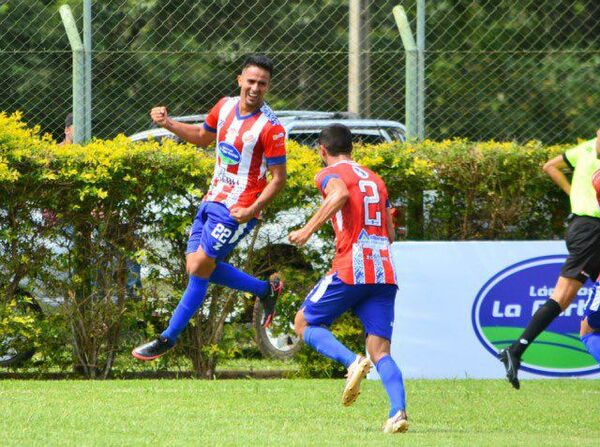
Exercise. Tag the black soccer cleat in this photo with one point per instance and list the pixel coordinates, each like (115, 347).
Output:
(268, 301)
(512, 364)
(152, 350)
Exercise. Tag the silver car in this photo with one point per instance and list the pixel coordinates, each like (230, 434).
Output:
(304, 127)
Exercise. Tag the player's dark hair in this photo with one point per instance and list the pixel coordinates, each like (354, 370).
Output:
(337, 139)
(259, 60)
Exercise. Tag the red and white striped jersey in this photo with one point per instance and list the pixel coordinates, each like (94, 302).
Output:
(245, 147)
(362, 247)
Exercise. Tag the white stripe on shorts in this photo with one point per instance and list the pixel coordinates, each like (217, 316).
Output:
(320, 288)
(238, 233)
(595, 305)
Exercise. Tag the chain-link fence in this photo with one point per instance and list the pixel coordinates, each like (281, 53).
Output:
(494, 69)
(513, 70)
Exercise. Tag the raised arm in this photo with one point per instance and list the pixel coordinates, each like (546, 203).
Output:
(191, 133)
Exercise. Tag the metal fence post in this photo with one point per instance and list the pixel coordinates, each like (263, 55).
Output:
(410, 48)
(414, 211)
(78, 74)
(421, 68)
(87, 44)
(358, 57)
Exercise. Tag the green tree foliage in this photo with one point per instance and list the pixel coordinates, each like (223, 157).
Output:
(495, 69)
(513, 70)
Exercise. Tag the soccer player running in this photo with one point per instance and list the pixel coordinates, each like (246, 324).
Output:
(590, 327)
(362, 275)
(249, 142)
(583, 243)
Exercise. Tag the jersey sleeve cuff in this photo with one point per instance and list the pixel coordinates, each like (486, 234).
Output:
(326, 179)
(272, 161)
(566, 160)
(210, 129)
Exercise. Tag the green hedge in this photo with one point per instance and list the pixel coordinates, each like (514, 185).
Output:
(71, 217)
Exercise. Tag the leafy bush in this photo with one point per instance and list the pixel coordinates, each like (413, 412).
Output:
(73, 217)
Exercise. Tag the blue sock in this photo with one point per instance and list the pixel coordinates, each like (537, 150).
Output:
(227, 275)
(392, 381)
(592, 344)
(188, 305)
(324, 342)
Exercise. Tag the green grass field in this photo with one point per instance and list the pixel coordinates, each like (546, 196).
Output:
(296, 412)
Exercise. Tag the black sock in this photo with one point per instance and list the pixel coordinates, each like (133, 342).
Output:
(539, 322)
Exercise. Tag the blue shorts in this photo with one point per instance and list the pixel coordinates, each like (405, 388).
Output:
(372, 303)
(216, 231)
(592, 307)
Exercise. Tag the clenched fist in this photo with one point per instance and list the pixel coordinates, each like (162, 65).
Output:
(159, 115)
(299, 237)
(242, 215)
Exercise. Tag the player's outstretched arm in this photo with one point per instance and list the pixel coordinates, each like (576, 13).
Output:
(554, 168)
(336, 195)
(278, 179)
(191, 133)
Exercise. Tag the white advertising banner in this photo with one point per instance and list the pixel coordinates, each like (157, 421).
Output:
(460, 302)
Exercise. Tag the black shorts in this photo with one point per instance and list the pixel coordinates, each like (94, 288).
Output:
(583, 243)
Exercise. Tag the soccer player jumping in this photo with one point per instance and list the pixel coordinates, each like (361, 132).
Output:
(362, 276)
(249, 142)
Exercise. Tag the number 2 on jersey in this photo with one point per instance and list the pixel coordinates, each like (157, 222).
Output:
(371, 197)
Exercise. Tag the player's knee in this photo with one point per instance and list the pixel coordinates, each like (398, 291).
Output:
(378, 347)
(300, 323)
(565, 291)
(199, 264)
(585, 328)
(590, 324)
(377, 354)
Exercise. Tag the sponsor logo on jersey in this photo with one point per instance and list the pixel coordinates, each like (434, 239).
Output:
(371, 240)
(505, 304)
(227, 177)
(278, 136)
(229, 154)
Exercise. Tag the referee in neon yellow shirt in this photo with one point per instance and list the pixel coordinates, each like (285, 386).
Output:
(583, 244)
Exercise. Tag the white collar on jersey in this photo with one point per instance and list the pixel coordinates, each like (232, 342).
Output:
(351, 162)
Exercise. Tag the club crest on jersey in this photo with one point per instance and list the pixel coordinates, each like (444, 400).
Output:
(248, 138)
(231, 134)
(229, 154)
